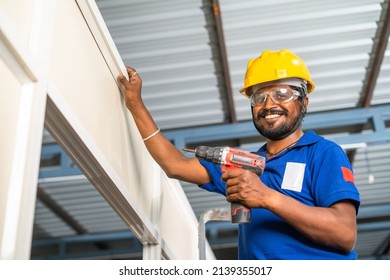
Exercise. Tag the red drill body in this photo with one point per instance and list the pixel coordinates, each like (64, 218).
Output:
(229, 158)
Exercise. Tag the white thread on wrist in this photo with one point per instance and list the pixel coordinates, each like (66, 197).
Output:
(151, 135)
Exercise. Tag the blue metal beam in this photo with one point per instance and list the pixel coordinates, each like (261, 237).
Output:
(90, 238)
(66, 167)
(375, 226)
(342, 118)
(370, 211)
(223, 132)
(64, 244)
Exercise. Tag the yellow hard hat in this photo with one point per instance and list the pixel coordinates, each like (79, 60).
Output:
(273, 66)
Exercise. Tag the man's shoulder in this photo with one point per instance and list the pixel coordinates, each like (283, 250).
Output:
(312, 137)
(319, 145)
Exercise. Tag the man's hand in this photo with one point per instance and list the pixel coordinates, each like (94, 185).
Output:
(132, 86)
(245, 187)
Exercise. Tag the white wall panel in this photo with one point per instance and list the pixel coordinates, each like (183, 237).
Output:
(86, 113)
(10, 90)
(79, 72)
(22, 50)
(19, 12)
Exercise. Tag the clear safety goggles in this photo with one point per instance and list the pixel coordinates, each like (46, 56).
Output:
(278, 96)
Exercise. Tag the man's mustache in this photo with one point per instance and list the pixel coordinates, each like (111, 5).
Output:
(265, 112)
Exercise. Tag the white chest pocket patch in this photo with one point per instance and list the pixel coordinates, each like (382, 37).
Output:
(293, 176)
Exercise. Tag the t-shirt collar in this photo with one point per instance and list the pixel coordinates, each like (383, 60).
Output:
(310, 137)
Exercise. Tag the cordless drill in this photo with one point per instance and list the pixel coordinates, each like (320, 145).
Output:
(229, 158)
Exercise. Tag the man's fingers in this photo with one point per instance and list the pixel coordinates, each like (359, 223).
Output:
(131, 71)
(133, 74)
(122, 79)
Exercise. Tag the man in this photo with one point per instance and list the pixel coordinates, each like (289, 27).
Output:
(305, 203)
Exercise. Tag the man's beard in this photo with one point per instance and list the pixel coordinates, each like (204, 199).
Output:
(284, 130)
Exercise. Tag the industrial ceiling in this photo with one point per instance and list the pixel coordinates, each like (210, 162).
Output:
(192, 56)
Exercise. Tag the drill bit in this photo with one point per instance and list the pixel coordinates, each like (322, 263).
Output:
(188, 150)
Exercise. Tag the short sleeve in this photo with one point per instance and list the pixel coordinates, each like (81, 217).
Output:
(333, 177)
(216, 184)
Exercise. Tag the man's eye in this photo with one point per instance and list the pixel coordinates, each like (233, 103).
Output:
(281, 95)
(260, 97)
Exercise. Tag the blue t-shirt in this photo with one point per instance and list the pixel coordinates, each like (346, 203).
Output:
(315, 172)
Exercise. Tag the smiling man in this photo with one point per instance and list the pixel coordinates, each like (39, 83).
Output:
(305, 203)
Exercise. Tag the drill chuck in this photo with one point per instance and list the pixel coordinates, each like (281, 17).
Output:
(211, 154)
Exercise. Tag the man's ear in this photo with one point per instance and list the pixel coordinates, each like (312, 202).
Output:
(305, 103)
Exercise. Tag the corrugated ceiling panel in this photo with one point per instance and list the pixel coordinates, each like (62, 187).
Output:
(382, 89)
(333, 37)
(81, 201)
(375, 161)
(168, 44)
(47, 224)
(369, 242)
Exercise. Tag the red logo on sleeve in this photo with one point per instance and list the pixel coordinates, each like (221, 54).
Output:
(347, 175)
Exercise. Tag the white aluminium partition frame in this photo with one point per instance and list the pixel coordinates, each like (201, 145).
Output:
(46, 48)
(23, 64)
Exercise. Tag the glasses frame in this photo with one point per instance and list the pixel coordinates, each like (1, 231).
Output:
(295, 94)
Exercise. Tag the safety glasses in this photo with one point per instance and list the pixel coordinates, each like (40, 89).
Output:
(278, 96)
